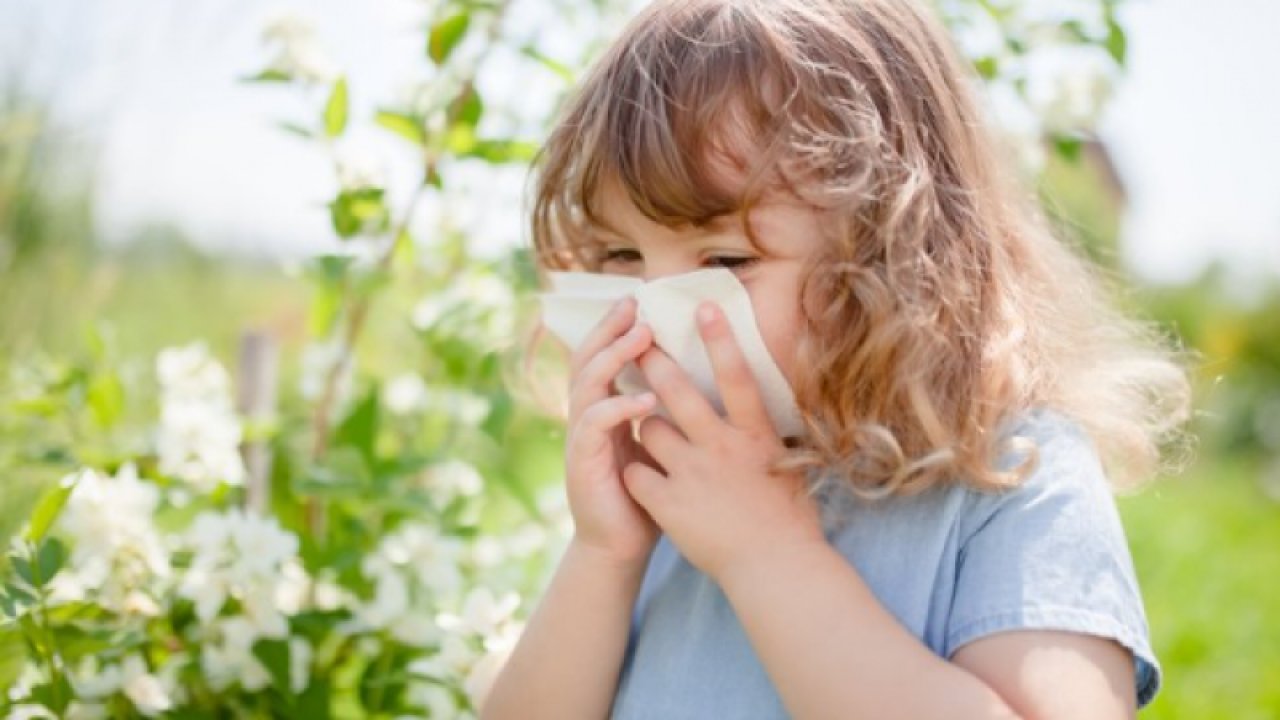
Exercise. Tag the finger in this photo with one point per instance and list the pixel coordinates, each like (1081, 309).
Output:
(663, 441)
(594, 382)
(620, 317)
(592, 431)
(738, 386)
(647, 487)
(691, 411)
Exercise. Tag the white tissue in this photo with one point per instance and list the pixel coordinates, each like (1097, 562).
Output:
(578, 300)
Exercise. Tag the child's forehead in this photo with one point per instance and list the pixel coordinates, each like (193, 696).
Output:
(772, 218)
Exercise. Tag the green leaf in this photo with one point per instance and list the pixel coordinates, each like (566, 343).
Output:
(313, 703)
(49, 507)
(296, 129)
(105, 396)
(406, 125)
(1068, 147)
(446, 35)
(335, 111)
(502, 151)
(50, 558)
(270, 75)
(467, 108)
(359, 210)
(55, 695)
(988, 67)
(322, 311)
(12, 657)
(1116, 43)
(404, 255)
(564, 72)
(360, 428)
(274, 656)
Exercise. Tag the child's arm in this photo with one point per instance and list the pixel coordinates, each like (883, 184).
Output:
(833, 651)
(567, 662)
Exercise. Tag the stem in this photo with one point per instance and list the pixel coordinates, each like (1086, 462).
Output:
(315, 512)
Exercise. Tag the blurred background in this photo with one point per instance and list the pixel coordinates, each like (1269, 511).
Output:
(298, 183)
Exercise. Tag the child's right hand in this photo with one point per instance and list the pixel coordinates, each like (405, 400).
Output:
(599, 443)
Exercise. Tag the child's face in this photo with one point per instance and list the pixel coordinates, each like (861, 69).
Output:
(788, 234)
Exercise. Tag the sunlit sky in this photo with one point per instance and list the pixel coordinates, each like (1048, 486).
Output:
(153, 83)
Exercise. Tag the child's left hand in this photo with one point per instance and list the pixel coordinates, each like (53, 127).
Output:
(717, 502)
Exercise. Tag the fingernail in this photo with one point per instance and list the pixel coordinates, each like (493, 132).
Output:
(706, 314)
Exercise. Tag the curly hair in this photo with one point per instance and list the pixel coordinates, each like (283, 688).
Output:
(942, 304)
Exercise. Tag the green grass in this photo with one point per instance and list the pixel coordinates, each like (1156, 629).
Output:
(1206, 547)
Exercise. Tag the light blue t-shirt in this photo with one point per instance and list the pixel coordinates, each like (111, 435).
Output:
(951, 564)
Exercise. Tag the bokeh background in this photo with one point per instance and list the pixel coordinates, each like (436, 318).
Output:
(325, 199)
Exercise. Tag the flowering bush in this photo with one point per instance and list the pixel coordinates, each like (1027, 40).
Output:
(148, 589)
(372, 567)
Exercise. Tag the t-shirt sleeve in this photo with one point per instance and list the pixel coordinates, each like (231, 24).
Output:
(1051, 554)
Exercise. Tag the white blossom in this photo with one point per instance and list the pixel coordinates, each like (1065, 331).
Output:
(94, 680)
(227, 657)
(438, 701)
(144, 690)
(190, 374)
(452, 479)
(1067, 85)
(413, 570)
(116, 550)
(299, 54)
(526, 540)
(198, 440)
(464, 406)
(358, 169)
(405, 394)
(478, 307)
(300, 654)
(481, 613)
(245, 556)
(29, 712)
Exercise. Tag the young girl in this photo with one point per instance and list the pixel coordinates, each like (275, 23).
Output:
(941, 541)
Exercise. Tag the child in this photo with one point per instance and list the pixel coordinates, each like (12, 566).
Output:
(941, 541)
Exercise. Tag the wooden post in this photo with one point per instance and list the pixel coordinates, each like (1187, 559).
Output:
(256, 402)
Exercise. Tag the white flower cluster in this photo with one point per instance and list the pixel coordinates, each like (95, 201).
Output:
(298, 53)
(151, 693)
(199, 435)
(249, 559)
(479, 307)
(480, 635)
(408, 393)
(1058, 84)
(117, 556)
(411, 570)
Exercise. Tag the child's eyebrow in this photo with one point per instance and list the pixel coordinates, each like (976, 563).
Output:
(716, 224)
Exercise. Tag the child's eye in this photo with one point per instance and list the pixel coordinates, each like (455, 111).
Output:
(620, 255)
(731, 262)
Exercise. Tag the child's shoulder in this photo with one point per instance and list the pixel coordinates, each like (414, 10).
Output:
(1066, 476)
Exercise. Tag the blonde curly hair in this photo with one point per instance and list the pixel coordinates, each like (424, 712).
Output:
(942, 305)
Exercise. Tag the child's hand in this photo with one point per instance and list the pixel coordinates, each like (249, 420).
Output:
(716, 499)
(599, 442)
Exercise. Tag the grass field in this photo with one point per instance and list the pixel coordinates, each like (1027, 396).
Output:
(1206, 547)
